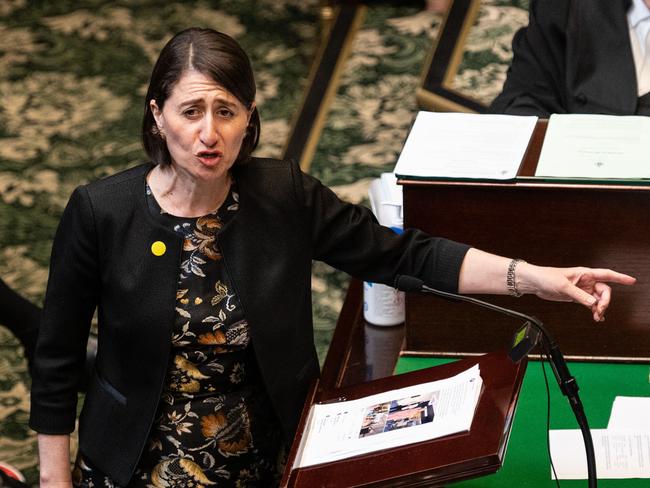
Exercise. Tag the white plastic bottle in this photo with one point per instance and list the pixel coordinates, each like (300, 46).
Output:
(382, 304)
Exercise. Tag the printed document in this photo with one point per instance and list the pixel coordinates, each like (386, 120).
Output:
(630, 413)
(619, 453)
(596, 146)
(457, 145)
(389, 419)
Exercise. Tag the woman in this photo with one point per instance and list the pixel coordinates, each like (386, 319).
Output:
(199, 266)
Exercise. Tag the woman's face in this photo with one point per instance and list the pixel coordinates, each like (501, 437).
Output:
(203, 125)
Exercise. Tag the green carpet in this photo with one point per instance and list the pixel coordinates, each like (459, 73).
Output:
(488, 52)
(526, 464)
(72, 81)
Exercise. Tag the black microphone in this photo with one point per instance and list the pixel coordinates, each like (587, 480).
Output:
(408, 283)
(526, 338)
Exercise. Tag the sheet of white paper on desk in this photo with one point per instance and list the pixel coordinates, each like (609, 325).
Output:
(619, 454)
(389, 419)
(596, 146)
(630, 413)
(456, 145)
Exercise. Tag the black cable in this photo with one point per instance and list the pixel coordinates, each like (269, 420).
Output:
(579, 412)
(548, 418)
(567, 383)
(569, 387)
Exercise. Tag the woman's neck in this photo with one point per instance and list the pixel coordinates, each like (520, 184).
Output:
(183, 195)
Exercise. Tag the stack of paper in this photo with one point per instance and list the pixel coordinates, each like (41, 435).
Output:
(390, 419)
(456, 145)
(622, 450)
(595, 146)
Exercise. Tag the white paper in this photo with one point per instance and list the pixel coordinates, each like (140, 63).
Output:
(630, 413)
(389, 419)
(457, 145)
(596, 146)
(619, 453)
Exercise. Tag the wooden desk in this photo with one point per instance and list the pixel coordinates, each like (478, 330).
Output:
(556, 224)
(360, 353)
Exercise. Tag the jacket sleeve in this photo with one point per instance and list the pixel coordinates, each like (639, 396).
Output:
(70, 302)
(348, 237)
(536, 79)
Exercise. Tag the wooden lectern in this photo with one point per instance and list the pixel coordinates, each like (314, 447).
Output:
(435, 462)
(361, 352)
(544, 222)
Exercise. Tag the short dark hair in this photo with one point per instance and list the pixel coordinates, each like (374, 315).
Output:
(212, 54)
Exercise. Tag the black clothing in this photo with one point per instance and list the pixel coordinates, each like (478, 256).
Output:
(21, 317)
(573, 57)
(103, 257)
(215, 423)
(643, 105)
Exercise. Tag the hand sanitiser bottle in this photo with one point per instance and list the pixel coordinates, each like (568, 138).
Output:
(382, 304)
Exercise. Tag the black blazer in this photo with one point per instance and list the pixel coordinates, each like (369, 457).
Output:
(573, 57)
(101, 258)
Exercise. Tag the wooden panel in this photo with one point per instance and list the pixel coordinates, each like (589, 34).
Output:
(550, 224)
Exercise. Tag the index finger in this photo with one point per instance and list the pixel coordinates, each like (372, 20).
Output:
(611, 276)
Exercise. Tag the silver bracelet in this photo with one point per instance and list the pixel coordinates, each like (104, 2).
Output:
(511, 281)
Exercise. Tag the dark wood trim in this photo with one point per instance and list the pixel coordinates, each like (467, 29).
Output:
(434, 91)
(322, 84)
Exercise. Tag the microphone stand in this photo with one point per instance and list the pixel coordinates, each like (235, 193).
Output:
(567, 383)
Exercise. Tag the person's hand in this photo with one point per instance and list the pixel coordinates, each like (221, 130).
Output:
(587, 286)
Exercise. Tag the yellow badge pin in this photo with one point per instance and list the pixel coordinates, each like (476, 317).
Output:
(158, 248)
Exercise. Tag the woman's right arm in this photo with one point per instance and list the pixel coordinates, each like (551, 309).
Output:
(70, 301)
(54, 458)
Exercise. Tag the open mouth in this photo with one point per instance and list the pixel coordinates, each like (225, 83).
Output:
(209, 155)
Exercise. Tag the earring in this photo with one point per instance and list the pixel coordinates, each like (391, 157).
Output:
(157, 131)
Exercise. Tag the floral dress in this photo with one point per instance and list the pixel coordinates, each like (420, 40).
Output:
(215, 425)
